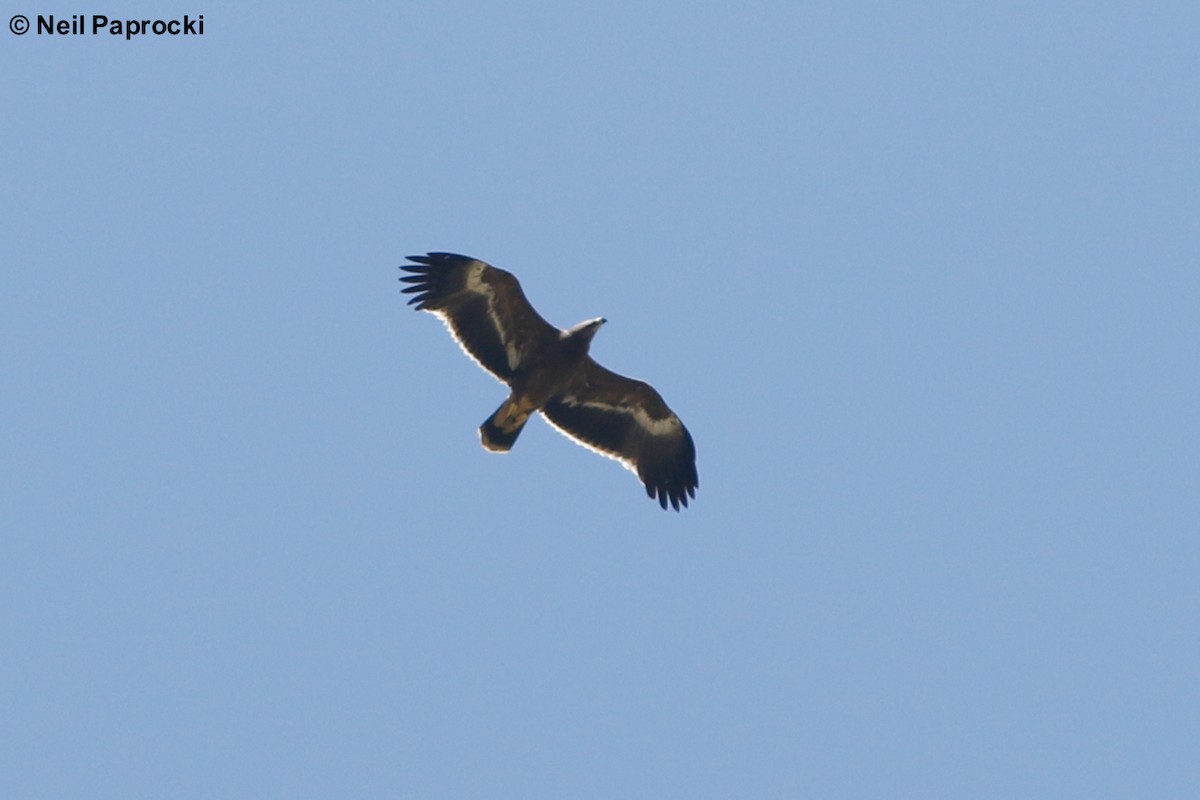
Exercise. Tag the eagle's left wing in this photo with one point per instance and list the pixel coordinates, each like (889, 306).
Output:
(627, 420)
(484, 308)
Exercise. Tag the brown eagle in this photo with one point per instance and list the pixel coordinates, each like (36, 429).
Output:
(549, 370)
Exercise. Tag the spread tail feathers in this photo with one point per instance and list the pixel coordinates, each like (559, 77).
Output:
(501, 430)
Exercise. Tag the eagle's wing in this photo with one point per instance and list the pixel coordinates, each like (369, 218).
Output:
(483, 307)
(626, 419)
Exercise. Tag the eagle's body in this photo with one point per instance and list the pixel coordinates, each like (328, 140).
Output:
(549, 370)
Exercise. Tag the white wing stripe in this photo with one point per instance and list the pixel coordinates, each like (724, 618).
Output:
(474, 283)
(656, 427)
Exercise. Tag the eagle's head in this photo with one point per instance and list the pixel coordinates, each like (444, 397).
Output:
(582, 333)
(584, 330)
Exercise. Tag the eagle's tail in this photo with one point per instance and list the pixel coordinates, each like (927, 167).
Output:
(501, 430)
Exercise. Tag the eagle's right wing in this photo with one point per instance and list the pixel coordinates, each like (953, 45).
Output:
(483, 307)
(627, 420)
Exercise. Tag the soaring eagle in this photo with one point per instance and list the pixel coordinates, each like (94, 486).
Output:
(549, 370)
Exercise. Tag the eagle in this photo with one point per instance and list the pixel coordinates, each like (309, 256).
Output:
(548, 370)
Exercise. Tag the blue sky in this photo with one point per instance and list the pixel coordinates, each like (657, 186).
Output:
(920, 278)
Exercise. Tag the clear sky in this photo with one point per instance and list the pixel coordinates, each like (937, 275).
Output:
(921, 278)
